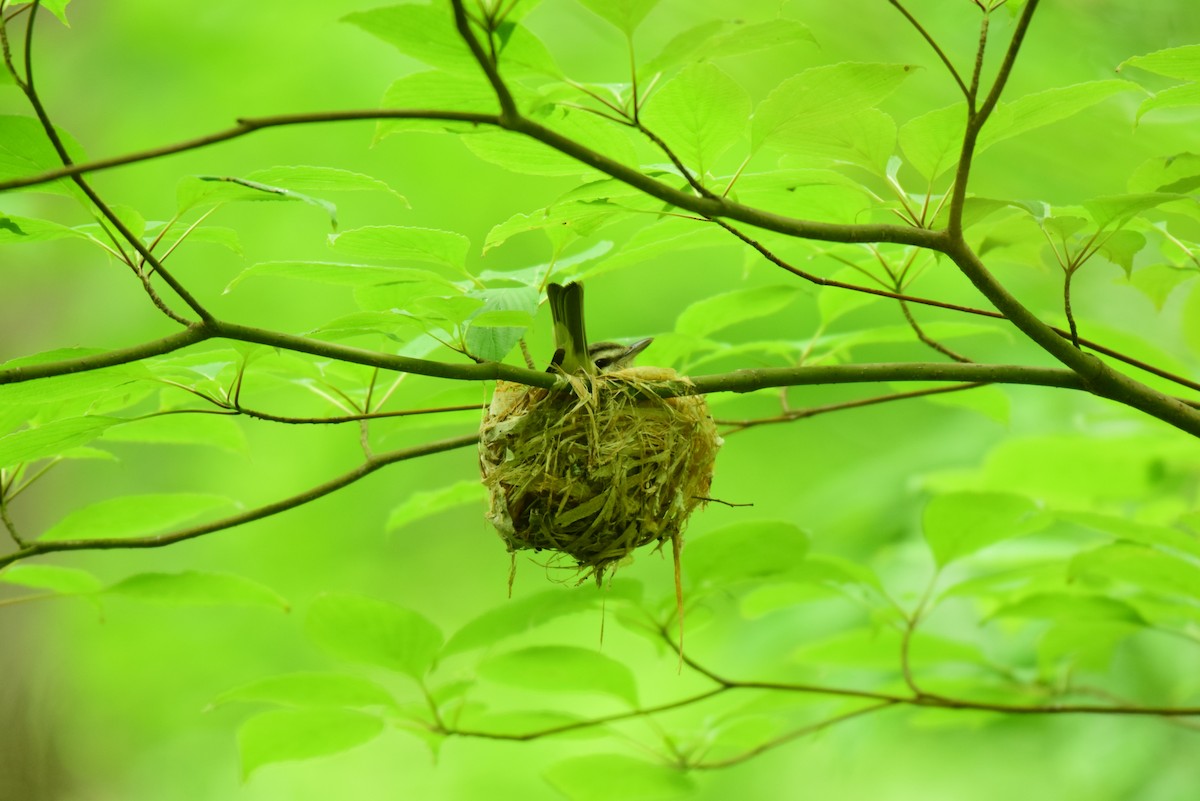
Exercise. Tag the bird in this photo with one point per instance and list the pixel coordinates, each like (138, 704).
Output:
(572, 353)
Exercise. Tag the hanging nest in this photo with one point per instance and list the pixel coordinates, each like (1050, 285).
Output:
(597, 470)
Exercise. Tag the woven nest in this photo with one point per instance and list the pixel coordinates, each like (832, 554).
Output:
(597, 470)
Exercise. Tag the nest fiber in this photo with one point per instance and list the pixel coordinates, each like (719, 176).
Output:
(597, 469)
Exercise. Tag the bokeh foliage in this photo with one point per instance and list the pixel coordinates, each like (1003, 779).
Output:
(1001, 549)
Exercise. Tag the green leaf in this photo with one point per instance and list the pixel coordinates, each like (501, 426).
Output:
(562, 668)
(193, 587)
(1070, 607)
(614, 777)
(62, 580)
(523, 154)
(25, 151)
(699, 113)
(1144, 567)
(310, 689)
(421, 505)
(1120, 209)
(306, 178)
(51, 439)
(711, 314)
(1035, 110)
(518, 616)
(58, 8)
(1122, 247)
(690, 44)
(506, 314)
(1158, 281)
(289, 734)
(437, 90)
(626, 15)
(218, 431)
(932, 141)
(132, 516)
(745, 551)
(1175, 97)
(339, 273)
(16, 230)
(1175, 62)
(743, 37)
(361, 629)
(721, 39)
(206, 190)
(423, 32)
(1176, 173)
(428, 34)
(397, 243)
(961, 523)
(820, 97)
(1135, 531)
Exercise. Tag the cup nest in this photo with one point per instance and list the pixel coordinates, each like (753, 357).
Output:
(598, 469)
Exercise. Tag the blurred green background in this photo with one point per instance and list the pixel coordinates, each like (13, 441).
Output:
(111, 703)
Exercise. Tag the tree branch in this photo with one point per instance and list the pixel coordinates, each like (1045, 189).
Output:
(369, 466)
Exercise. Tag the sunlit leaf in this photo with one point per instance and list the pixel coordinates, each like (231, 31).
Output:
(711, 314)
(959, 524)
(1120, 208)
(194, 587)
(310, 689)
(395, 243)
(506, 314)
(428, 34)
(820, 96)
(50, 439)
(932, 141)
(699, 113)
(520, 615)
(361, 629)
(562, 668)
(435, 90)
(15, 230)
(1174, 97)
(614, 777)
(1123, 528)
(339, 273)
(56, 578)
(131, 516)
(1158, 281)
(25, 150)
(523, 154)
(1147, 568)
(289, 734)
(626, 15)
(1070, 607)
(1174, 62)
(218, 431)
(744, 551)
(423, 504)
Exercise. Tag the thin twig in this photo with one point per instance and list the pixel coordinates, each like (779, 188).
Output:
(941, 54)
(367, 467)
(812, 411)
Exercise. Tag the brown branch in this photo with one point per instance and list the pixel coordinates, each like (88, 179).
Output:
(369, 466)
(244, 127)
